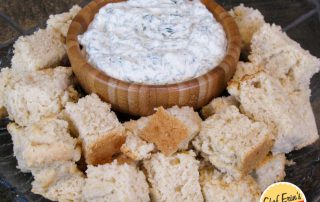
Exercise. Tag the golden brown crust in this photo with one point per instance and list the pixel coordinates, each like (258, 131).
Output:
(122, 159)
(165, 131)
(105, 148)
(3, 112)
(207, 111)
(253, 159)
(131, 125)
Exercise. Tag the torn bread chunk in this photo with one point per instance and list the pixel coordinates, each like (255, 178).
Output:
(116, 183)
(223, 135)
(61, 22)
(217, 105)
(136, 148)
(220, 187)
(98, 128)
(43, 143)
(59, 182)
(270, 170)
(6, 75)
(38, 94)
(249, 21)
(263, 98)
(282, 57)
(43, 49)
(174, 178)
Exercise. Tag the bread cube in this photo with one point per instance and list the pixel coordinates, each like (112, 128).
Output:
(224, 134)
(282, 57)
(61, 182)
(43, 49)
(116, 183)
(43, 144)
(174, 178)
(263, 98)
(39, 94)
(98, 128)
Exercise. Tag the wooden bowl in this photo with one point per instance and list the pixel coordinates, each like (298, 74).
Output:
(139, 99)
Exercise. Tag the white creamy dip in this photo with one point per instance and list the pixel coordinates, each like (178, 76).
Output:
(154, 41)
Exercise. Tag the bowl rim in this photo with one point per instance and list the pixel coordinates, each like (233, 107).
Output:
(232, 34)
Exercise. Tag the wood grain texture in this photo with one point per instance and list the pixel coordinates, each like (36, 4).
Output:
(138, 99)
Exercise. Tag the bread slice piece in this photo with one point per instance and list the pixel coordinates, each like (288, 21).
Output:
(174, 178)
(38, 94)
(282, 57)
(98, 127)
(220, 187)
(61, 182)
(249, 21)
(223, 135)
(218, 104)
(61, 22)
(270, 170)
(114, 182)
(263, 98)
(43, 143)
(43, 49)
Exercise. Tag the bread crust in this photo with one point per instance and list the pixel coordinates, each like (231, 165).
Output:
(256, 155)
(165, 131)
(105, 148)
(3, 112)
